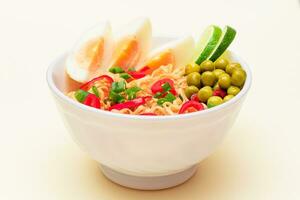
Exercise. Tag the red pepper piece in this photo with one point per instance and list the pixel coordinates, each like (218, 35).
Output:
(89, 84)
(147, 98)
(136, 74)
(92, 100)
(157, 86)
(132, 104)
(219, 92)
(195, 97)
(149, 114)
(145, 70)
(190, 104)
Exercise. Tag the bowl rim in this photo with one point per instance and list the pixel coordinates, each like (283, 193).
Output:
(66, 99)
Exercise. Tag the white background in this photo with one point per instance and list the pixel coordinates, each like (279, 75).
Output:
(260, 158)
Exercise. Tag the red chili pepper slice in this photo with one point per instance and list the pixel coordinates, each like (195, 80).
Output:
(147, 98)
(190, 104)
(145, 69)
(136, 74)
(132, 104)
(89, 84)
(92, 100)
(219, 92)
(195, 97)
(149, 114)
(157, 86)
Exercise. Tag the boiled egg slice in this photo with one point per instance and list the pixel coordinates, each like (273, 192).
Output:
(91, 54)
(178, 53)
(132, 44)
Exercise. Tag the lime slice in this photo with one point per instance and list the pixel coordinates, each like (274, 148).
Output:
(226, 39)
(207, 43)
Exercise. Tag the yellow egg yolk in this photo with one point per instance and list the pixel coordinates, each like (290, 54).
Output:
(164, 58)
(128, 55)
(91, 54)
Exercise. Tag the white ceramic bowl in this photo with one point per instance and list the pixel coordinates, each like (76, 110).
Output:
(145, 152)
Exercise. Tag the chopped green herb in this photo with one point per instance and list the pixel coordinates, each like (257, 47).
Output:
(116, 70)
(95, 90)
(158, 95)
(118, 87)
(166, 87)
(131, 69)
(115, 97)
(125, 76)
(80, 95)
(161, 101)
(131, 92)
(168, 98)
(131, 96)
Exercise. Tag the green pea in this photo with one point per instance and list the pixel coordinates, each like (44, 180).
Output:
(190, 68)
(241, 70)
(214, 101)
(208, 78)
(204, 93)
(231, 67)
(224, 81)
(207, 65)
(218, 72)
(221, 63)
(190, 90)
(238, 77)
(228, 97)
(194, 78)
(233, 90)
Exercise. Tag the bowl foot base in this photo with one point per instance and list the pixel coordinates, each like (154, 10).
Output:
(148, 182)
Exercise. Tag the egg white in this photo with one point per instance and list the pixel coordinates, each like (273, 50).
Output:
(141, 30)
(182, 50)
(78, 71)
